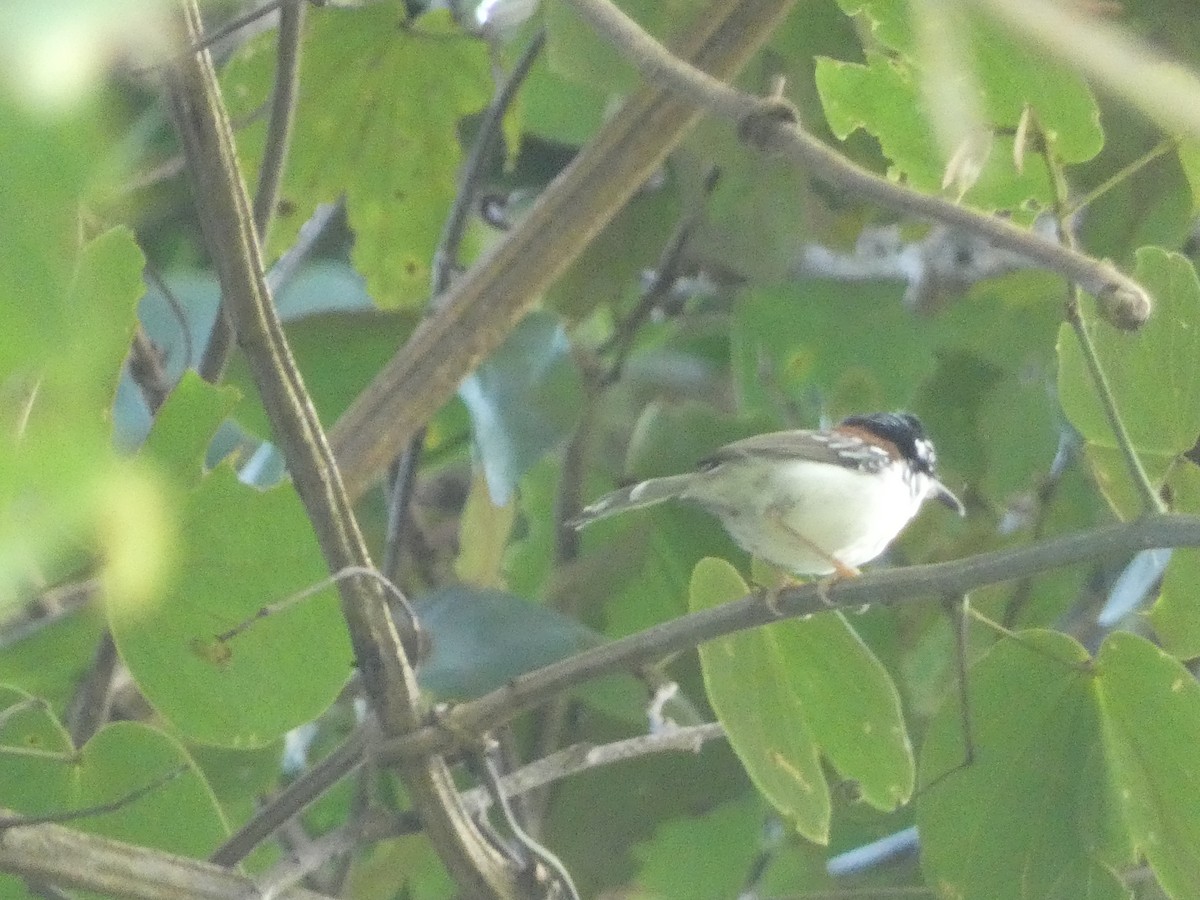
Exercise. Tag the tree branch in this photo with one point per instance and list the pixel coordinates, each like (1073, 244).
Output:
(202, 121)
(892, 586)
(72, 859)
(582, 757)
(481, 308)
(771, 125)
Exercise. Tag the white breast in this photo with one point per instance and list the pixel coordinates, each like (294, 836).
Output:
(837, 512)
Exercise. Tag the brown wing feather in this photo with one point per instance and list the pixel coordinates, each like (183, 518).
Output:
(838, 448)
(774, 445)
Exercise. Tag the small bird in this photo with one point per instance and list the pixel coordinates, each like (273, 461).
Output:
(810, 502)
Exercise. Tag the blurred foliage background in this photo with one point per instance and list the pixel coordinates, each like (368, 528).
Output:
(159, 523)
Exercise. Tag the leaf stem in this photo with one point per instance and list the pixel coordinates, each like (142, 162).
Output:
(1127, 171)
(1151, 501)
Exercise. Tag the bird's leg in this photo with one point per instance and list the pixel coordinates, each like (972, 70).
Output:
(840, 569)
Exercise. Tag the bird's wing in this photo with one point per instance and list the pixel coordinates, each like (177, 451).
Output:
(831, 447)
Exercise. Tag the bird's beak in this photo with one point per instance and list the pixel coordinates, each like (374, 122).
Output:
(947, 496)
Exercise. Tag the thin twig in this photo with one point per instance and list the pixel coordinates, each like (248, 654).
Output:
(55, 604)
(771, 124)
(146, 369)
(1044, 498)
(445, 259)
(176, 306)
(282, 117)
(228, 28)
(537, 850)
(568, 500)
(394, 594)
(582, 757)
(270, 172)
(295, 798)
(1151, 501)
(377, 825)
(288, 266)
(886, 588)
(342, 855)
(1164, 146)
(666, 273)
(92, 700)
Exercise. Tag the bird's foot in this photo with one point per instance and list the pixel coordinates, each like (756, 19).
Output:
(841, 572)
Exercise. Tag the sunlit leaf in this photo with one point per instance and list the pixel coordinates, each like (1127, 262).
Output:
(359, 132)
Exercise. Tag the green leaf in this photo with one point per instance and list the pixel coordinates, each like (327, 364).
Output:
(608, 271)
(185, 424)
(41, 773)
(559, 108)
(360, 130)
(524, 400)
(1152, 374)
(763, 718)
(483, 532)
(882, 97)
(27, 726)
(1008, 74)
(1151, 707)
(703, 856)
(757, 215)
(483, 638)
(245, 550)
(850, 704)
(1176, 615)
(60, 484)
(46, 663)
(576, 51)
(1189, 159)
(1033, 814)
(46, 163)
(856, 345)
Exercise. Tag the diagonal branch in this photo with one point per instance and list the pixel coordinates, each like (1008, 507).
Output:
(893, 586)
(479, 309)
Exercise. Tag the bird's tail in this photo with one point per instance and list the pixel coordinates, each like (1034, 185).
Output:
(636, 496)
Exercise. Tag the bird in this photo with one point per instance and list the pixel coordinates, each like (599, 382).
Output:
(811, 502)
